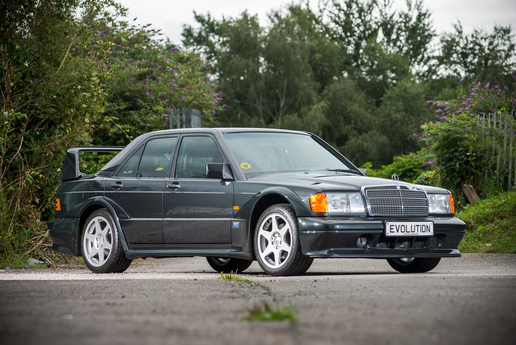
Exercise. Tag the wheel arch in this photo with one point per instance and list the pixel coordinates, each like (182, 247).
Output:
(95, 204)
(268, 198)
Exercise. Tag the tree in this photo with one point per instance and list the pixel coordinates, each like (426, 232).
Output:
(489, 57)
(147, 79)
(51, 94)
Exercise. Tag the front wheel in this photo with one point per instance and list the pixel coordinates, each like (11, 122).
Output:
(228, 265)
(101, 247)
(413, 265)
(276, 243)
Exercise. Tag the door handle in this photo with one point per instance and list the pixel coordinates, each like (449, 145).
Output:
(116, 185)
(173, 185)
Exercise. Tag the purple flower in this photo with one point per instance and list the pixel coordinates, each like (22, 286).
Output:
(461, 79)
(429, 101)
(487, 85)
(193, 102)
(160, 67)
(197, 59)
(438, 111)
(425, 136)
(207, 64)
(119, 131)
(166, 100)
(148, 125)
(212, 81)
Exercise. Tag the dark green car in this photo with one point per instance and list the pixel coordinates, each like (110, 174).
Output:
(234, 195)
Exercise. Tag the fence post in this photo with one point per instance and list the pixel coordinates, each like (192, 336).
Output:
(510, 154)
(486, 144)
(505, 142)
(493, 142)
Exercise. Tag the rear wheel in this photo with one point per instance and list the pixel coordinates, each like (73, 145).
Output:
(228, 265)
(413, 265)
(276, 243)
(101, 247)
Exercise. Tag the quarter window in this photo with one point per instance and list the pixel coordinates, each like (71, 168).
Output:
(194, 153)
(129, 168)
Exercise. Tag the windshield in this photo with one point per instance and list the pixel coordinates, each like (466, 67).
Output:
(280, 152)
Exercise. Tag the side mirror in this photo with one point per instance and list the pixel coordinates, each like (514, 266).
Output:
(219, 171)
(364, 171)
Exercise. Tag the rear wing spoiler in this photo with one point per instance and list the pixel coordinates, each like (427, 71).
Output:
(71, 169)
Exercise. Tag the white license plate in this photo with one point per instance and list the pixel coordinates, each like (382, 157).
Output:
(409, 228)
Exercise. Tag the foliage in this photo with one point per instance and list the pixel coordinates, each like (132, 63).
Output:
(491, 225)
(408, 167)
(51, 94)
(233, 277)
(147, 80)
(92, 162)
(266, 313)
(457, 139)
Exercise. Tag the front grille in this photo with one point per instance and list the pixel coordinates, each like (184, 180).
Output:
(390, 201)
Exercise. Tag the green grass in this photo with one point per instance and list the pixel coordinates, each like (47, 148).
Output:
(265, 313)
(233, 277)
(491, 225)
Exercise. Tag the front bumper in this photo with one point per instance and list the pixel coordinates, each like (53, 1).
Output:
(339, 237)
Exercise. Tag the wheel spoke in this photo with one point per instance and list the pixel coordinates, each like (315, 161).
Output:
(277, 257)
(102, 258)
(90, 238)
(268, 250)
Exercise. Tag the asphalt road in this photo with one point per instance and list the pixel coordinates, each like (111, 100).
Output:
(468, 300)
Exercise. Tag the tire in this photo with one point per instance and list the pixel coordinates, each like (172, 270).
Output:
(276, 243)
(228, 265)
(100, 244)
(413, 265)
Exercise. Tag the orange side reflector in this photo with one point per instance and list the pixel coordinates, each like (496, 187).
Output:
(452, 205)
(58, 205)
(318, 203)
(236, 208)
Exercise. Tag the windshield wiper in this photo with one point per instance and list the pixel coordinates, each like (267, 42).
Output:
(346, 170)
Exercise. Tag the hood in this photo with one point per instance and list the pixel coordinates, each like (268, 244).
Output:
(332, 181)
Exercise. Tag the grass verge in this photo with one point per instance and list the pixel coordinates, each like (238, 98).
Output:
(491, 225)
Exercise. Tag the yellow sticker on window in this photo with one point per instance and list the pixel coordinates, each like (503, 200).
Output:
(245, 165)
(159, 169)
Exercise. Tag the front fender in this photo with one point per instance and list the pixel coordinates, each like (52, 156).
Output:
(300, 208)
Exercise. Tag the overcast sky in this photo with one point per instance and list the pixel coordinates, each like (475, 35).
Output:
(171, 15)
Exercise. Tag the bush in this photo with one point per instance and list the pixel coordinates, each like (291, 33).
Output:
(408, 167)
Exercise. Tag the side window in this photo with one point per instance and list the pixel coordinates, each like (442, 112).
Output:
(156, 157)
(129, 168)
(194, 153)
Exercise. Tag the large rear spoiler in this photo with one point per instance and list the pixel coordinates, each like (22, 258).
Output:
(71, 169)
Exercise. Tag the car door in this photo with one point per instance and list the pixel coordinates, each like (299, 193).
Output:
(197, 209)
(138, 187)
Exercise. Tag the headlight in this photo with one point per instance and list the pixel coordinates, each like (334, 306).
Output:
(440, 204)
(337, 203)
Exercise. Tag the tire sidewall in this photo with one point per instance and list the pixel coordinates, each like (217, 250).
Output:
(109, 264)
(287, 212)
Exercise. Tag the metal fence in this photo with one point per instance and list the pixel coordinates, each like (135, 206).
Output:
(499, 143)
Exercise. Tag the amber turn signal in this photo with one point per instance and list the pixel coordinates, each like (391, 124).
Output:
(452, 205)
(318, 203)
(58, 205)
